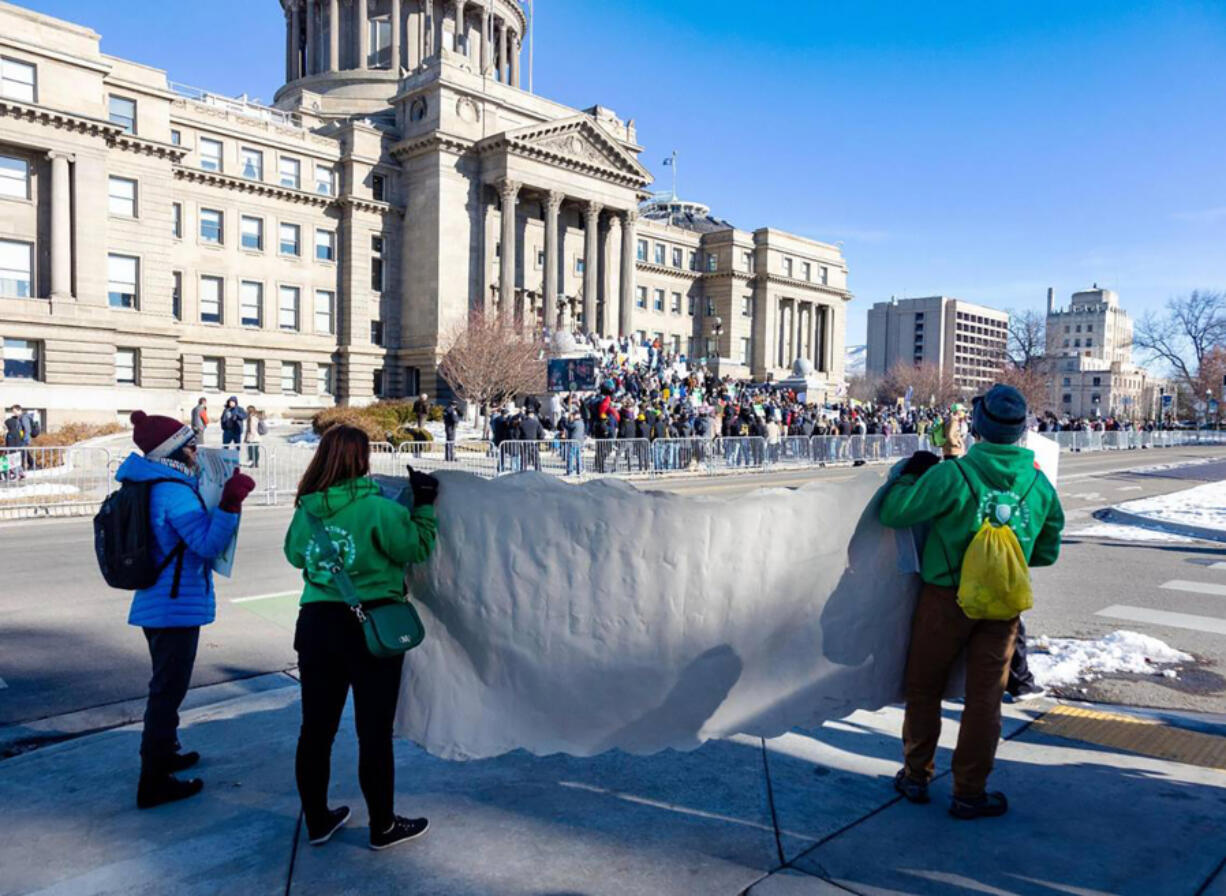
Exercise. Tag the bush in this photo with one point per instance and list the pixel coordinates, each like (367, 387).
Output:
(436, 413)
(384, 421)
(72, 433)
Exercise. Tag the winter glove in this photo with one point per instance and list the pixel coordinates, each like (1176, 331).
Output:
(425, 487)
(237, 487)
(920, 463)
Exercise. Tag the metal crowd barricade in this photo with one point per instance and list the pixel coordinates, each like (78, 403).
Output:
(474, 456)
(792, 451)
(739, 453)
(690, 454)
(54, 481)
(625, 457)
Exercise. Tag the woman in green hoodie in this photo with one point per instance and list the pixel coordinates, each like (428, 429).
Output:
(375, 538)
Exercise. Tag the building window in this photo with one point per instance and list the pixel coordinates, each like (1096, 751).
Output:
(210, 154)
(660, 250)
(380, 53)
(787, 267)
(22, 359)
(17, 80)
(1097, 381)
(176, 137)
(325, 180)
(580, 265)
(540, 258)
(1079, 328)
(748, 259)
(291, 377)
(121, 196)
(176, 220)
(176, 294)
(252, 163)
(1076, 343)
(1089, 328)
(376, 332)
(710, 308)
(746, 306)
(287, 318)
(325, 245)
(211, 223)
(212, 377)
(376, 263)
(252, 233)
(291, 239)
(806, 270)
(823, 275)
(378, 187)
(325, 379)
(677, 257)
(251, 303)
(126, 365)
(1096, 399)
(690, 305)
(14, 178)
(1067, 381)
(121, 279)
(712, 262)
(676, 304)
(1089, 342)
(210, 300)
(641, 250)
(377, 383)
(253, 376)
(658, 300)
(122, 112)
(747, 351)
(325, 310)
(640, 297)
(16, 263)
(291, 173)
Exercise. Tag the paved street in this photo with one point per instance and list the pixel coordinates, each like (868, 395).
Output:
(66, 647)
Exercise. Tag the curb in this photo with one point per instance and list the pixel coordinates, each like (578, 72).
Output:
(1122, 517)
(1201, 723)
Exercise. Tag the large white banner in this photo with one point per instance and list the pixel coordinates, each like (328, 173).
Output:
(578, 619)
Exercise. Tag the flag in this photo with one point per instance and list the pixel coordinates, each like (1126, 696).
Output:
(668, 161)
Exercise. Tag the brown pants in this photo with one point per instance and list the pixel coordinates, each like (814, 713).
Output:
(939, 632)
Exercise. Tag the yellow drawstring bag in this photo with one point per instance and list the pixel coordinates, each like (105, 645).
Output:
(995, 581)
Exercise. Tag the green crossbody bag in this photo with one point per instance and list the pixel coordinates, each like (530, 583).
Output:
(390, 628)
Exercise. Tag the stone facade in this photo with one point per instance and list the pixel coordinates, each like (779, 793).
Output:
(159, 242)
(966, 342)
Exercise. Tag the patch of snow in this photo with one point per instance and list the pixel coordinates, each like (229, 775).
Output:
(1120, 532)
(1058, 662)
(1203, 506)
(36, 490)
(1176, 465)
(306, 437)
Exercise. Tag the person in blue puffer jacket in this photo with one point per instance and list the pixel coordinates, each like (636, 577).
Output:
(171, 612)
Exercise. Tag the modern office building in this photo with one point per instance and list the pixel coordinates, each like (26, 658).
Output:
(1089, 359)
(966, 342)
(159, 242)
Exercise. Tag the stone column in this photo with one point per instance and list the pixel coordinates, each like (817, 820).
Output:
(311, 61)
(363, 28)
(289, 45)
(612, 261)
(295, 30)
(397, 25)
(629, 248)
(334, 35)
(61, 226)
(553, 204)
(515, 48)
(502, 53)
(485, 37)
(591, 225)
(508, 190)
(460, 46)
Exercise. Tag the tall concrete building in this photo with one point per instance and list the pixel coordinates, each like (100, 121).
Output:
(966, 342)
(158, 242)
(1089, 358)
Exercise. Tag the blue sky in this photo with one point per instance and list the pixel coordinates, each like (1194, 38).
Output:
(984, 150)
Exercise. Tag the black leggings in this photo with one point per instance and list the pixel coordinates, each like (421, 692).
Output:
(332, 656)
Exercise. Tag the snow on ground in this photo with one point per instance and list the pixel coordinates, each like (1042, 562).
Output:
(1203, 506)
(1120, 532)
(1060, 662)
(36, 490)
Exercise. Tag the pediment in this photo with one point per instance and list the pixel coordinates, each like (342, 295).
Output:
(579, 141)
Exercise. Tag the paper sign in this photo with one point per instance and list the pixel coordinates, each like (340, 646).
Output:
(216, 466)
(1046, 454)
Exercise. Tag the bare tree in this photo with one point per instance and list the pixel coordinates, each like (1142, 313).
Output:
(1027, 338)
(929, 387)
(1185, 333)
(1032, 382)
(489, 360)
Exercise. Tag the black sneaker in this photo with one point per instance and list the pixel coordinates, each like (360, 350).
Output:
(155, 790)
(181, 762)
(989, 805)
(915, 791)
(402, 830)
(330, 824)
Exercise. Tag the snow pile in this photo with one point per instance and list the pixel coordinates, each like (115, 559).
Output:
(578, 619)
(36, 490)
(1120, 532)
(1059, 662)
(1203, 506)
(308, 436)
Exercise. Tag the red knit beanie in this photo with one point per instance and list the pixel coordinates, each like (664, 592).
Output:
(159, 436)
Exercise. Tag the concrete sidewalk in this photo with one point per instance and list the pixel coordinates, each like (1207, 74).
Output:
(806, 813)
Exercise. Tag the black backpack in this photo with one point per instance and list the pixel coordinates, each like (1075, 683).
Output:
(124, 541)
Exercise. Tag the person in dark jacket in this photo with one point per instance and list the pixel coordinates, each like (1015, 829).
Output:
(531, 432)
(20, 428)
(575, 434)
(171, 612)
(232, 419)
(451, 419)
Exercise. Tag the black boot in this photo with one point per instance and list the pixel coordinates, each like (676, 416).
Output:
(158, 786)
(181, 762)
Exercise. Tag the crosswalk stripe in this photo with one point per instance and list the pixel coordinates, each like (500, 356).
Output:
(1195, 587)
(1209, 624)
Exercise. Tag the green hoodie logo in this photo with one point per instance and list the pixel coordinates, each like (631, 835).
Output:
(345, 547)
(1006, 509)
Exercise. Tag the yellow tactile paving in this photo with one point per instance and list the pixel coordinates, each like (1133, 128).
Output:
(1136, 735)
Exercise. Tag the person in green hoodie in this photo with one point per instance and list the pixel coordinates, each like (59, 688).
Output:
(375, 538)
(997, 477)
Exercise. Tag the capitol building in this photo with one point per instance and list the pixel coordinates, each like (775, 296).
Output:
(160, 242)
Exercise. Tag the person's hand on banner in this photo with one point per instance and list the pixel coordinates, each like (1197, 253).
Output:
(920, 463)
(425, 487)
(236, 489)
